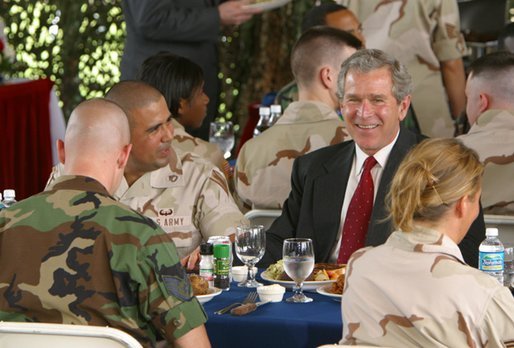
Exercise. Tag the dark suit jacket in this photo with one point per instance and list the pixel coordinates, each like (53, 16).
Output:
(188, 28)
(318, 186)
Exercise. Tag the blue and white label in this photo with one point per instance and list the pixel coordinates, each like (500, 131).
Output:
(491, 261)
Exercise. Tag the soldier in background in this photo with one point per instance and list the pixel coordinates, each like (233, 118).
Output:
(490, 111)
(331, 15)
(425, 36)
(181, 82)
(263, 168)
(74, 255)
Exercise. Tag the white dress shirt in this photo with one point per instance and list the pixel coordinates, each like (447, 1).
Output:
(353, 180)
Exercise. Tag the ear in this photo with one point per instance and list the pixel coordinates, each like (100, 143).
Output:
(404, 107)
(326, 77)
(60, 150)
(124, 156)
(182, 107)
(485, 102)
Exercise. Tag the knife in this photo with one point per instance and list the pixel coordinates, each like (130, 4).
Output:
(246, 308)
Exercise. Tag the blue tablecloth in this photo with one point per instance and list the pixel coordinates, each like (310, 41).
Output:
(274, 324)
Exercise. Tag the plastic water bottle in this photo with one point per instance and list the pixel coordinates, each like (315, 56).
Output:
(276, 112)
(491, 255)
(264, 121)
(9, 198)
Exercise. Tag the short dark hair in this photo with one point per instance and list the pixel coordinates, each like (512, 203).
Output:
(174, 76)
(316, 46)
(318, 14)
(493, 63)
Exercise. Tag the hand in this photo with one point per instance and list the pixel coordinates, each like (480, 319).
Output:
(233, 13)
(190, 261)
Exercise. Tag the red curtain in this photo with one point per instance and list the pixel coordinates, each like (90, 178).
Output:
(25, 145)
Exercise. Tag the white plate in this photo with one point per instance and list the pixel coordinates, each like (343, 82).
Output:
(323, 290)
(207, 297)
(307, 285)
(267, 5)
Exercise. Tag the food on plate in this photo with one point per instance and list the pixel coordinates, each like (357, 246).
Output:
(200, 285)
(337, 287)
(321, 272)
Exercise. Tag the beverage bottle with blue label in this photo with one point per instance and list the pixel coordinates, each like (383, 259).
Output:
(491, 255)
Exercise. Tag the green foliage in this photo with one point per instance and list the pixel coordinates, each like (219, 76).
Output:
(79, 43)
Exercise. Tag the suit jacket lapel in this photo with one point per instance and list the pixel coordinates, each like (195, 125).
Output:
(328, 195)
(379, 230)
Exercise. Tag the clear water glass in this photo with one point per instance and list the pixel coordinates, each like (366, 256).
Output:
(250, 243)
(222, 134)
(298, 256)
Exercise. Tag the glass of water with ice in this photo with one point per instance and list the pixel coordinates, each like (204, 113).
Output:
(222, 133)
(298, 256)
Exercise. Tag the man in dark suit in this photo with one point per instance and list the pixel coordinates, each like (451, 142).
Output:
(374, 91)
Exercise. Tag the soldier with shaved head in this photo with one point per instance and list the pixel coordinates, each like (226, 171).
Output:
(490, 111)
(264, 164)
(74, 255)
(187, 196)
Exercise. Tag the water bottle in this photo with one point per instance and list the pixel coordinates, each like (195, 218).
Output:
(264, 121)
(276, 112)
(9, 198)
(491, 255)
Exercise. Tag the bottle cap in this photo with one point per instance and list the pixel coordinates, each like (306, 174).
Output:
(276, 109)
(264, 110)
(9, 193)
(221, 251)
(491, 232)
(206, 249)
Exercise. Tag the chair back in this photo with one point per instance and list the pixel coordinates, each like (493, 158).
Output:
(263, 217)
(42, 335)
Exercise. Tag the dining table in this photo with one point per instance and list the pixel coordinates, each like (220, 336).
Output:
(279, 324)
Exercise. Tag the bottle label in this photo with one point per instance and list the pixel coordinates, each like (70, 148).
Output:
(491, 261)
(207, 274)
(222, 267)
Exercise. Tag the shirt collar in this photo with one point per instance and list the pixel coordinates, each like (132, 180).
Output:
(381, 156)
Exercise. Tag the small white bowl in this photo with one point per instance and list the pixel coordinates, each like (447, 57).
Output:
(273, 293)
(240, 273)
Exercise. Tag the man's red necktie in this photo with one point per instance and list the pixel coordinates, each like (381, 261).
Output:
(359, 212)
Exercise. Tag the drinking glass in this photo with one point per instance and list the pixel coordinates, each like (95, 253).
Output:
(250, 244)
(298, 256)
(222, 133)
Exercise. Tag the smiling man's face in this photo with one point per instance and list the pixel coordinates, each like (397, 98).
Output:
(371, 111)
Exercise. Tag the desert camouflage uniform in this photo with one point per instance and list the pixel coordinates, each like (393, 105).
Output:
(420, 33)
(492, 136)
(74, 255)
(416, 291)
(185, 142)
(264, 164)
(189, 199)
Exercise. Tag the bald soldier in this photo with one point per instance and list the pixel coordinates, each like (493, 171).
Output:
(264, 164)
(74, 255)
(184, 194)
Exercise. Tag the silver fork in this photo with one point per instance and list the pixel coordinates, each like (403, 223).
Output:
(250, 298)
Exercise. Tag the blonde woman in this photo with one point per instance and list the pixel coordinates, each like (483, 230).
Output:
(416, 290)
